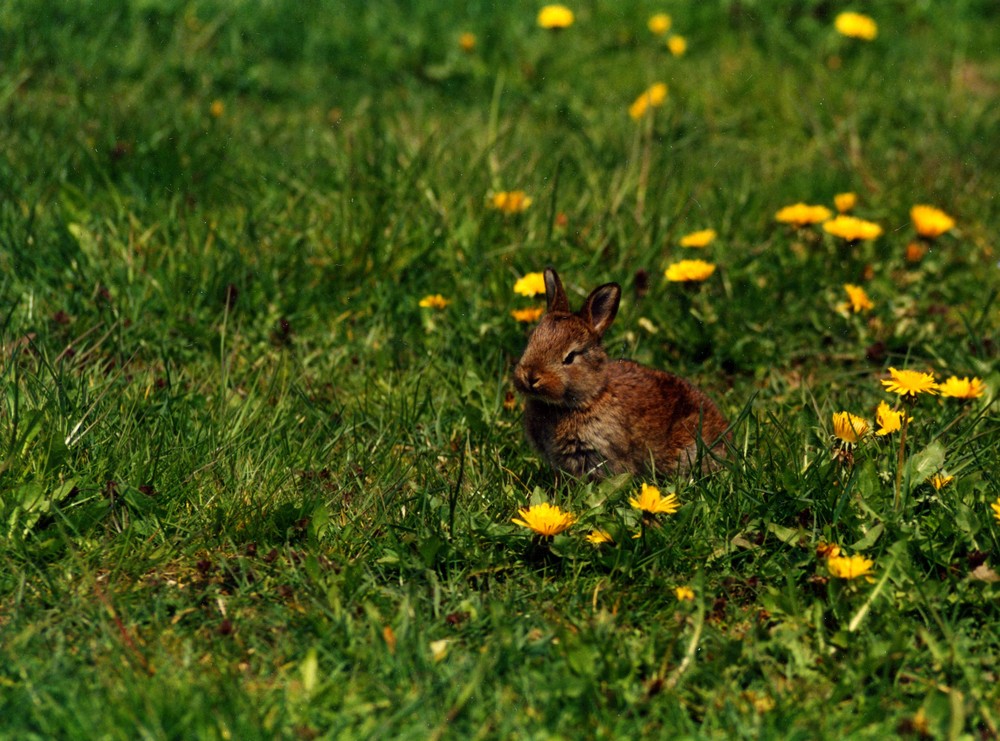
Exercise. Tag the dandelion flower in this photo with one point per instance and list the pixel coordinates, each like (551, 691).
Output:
(802, 214)
(660, 23)
(555, 17)
(858, 300)
(217, 109)
(545, 519)
(852, 228)
(677, 45)
(848, 427)
(698, 239)
(532, 284)
(963, 388)
(652, 502)
(599, 537)
(996, 509)
(845, 201)
(888, 421)
(467, 42)
(654, 97)
(511, 202)
(689, 271)
(827, 550)
(436, 301)
(849, 567)
(940, 480)
(529, 315)
(684, 594)
(930, 222)
(856, 25)
(908, 383)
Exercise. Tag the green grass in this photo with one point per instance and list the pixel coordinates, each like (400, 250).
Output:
(249, 488)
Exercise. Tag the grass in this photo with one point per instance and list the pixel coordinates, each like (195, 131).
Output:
(249, 488)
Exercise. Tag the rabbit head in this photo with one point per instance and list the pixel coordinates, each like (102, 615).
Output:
(564, 363)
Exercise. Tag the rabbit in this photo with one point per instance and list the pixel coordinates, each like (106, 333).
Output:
(590, 416)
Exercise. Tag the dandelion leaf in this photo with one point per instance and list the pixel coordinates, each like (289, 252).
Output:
(614, 484)
(868, 539)
(921, 466)
(787, 535)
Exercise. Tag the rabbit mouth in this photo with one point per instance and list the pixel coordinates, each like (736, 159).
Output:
(534, 392)
(535, 388)
(544, 387)
(559, 397)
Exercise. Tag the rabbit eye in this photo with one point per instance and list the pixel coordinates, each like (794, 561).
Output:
(570, 357)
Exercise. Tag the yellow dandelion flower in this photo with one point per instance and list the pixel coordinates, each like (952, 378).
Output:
(531, 314)
(930, 222)
(689, 271)
(852, 228)
(849, 567)
(802, 214)
(436, 301)
(532, 284)
(908, 383)
(698, 239)
(856, 25)
(684, 594)
(827, 550)
(599, 537)
(555, 17)
(511, 202)
(963, 388)
(467, 42)
(858, 299)
(677, 45)
(845, 201)
(660, 23)
(654, 97)
(940, 480)
(849, 427)
(217, 109)
(996, 509)
(888, 420)
(545, 519)
(652, 502)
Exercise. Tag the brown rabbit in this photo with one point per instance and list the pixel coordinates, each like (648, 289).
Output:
(591, 416)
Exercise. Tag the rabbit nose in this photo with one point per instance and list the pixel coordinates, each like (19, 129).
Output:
(525, 378)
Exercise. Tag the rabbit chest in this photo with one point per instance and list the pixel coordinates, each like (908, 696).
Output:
(579, 442)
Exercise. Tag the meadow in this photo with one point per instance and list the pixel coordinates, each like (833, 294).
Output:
(260, 450)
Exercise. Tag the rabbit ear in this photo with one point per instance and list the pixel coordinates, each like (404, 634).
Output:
(601, 307)
(555, 296)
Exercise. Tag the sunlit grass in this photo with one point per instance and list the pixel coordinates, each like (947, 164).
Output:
(266, 270)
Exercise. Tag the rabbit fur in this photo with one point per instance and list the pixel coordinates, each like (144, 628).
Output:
(590, 416)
